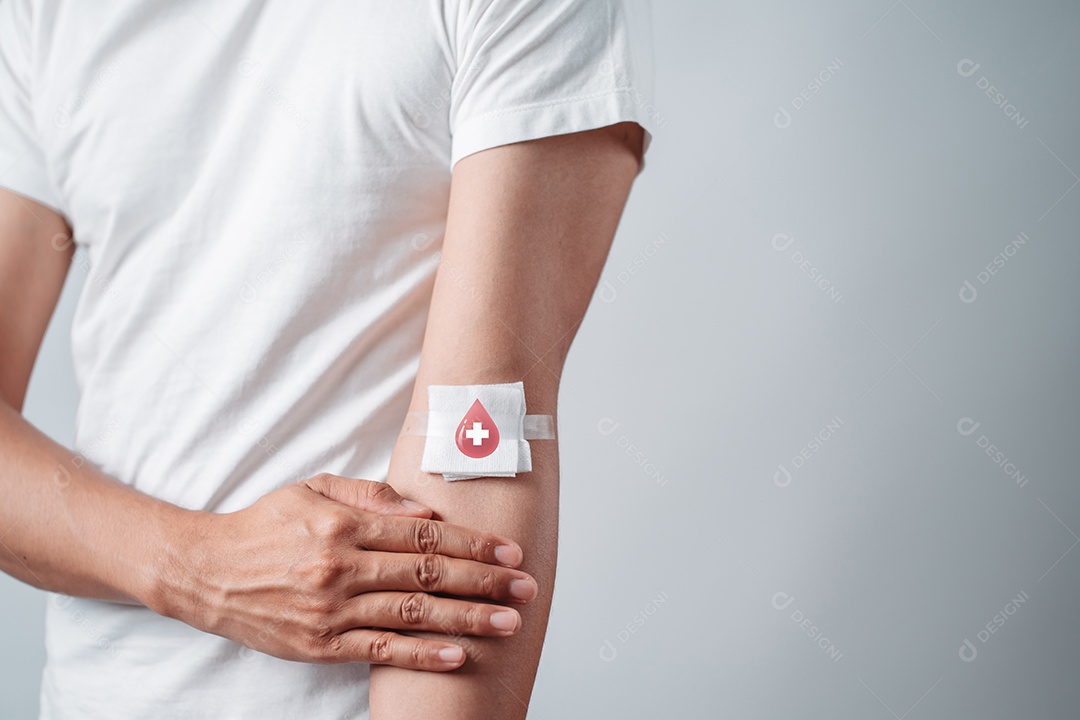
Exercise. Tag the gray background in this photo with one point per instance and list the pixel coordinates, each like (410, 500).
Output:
(696, 579)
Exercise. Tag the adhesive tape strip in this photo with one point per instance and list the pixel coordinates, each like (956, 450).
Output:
(539, 427)
(428, 424)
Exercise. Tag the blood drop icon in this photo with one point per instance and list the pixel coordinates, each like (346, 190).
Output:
(477, 436)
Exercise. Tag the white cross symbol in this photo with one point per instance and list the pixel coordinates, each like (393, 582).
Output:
(477, 434)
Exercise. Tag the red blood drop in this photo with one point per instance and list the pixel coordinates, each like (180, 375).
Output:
(477, 436)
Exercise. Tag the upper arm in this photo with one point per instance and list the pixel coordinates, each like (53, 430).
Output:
(528, 230)
(35, 245)
(35, 253)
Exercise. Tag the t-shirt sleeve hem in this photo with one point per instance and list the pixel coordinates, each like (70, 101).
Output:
(559, 117)
(31, 187)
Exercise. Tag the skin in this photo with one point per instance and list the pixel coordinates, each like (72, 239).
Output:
(345, 571)
(529, 229)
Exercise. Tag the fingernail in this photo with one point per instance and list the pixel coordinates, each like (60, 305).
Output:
(523, 589)
(508, 555)
(413, 506)
(452, 654)
(504, 620)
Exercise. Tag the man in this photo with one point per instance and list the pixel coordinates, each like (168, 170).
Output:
(296, 218)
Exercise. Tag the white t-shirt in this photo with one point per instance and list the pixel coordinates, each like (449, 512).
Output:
(258, 192)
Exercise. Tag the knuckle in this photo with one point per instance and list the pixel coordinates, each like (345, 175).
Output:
(323, 634)
(427, 536)
(324, 570)
(488, 583)
(325, 526)
(300, 488)
(413, 609)
(378, 490)
(324, 606)
(318, 483)
(334, 526)
(473, 619)
(326, 646)
(477, 548)
(381, 647)
(418, 654)
(315, 608)
(429, 572)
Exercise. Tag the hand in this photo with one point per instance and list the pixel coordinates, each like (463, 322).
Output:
(313, 571)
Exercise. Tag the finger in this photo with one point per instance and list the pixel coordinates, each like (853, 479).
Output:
(374, 497)
(440, 574)
(419, 611)
(423, 535)
(383, 647)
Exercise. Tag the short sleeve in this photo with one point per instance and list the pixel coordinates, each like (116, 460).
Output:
(528, 69)
(22, 163)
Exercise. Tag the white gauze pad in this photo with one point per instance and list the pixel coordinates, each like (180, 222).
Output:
(480, 431)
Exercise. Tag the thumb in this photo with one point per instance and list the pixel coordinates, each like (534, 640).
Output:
(374, 497)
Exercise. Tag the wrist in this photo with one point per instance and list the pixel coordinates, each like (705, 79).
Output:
(174, 561)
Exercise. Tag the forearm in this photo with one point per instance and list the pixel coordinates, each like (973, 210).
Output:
(63, 525)
(497, 678)
(68, 528)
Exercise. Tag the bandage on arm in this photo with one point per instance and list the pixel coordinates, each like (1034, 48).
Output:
(529, 228)
(478, 431)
